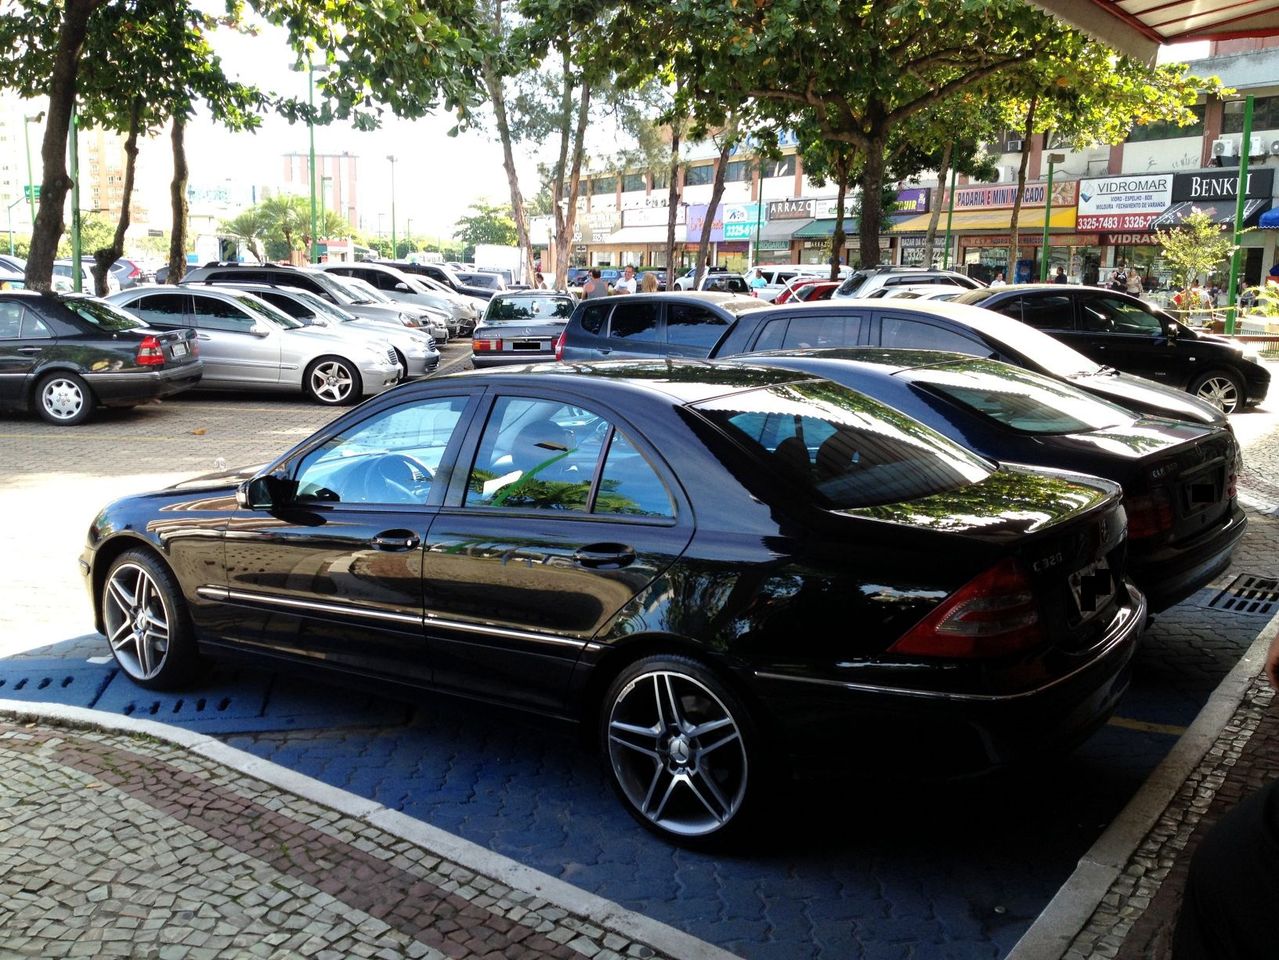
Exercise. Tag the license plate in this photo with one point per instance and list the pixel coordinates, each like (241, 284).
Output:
(180, 349)
(1091, 587)
(527, 345)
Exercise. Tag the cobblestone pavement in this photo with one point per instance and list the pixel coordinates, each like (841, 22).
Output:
(119, 846)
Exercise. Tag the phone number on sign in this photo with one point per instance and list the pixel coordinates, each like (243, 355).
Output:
(1127, 221)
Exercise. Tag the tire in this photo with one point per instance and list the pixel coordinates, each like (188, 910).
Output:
(147, 623)
(681, 751)
(64, 399)
(332, 381)
(1221, 388)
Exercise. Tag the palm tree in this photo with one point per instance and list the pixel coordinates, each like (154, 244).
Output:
(251, 226)
(289, 219)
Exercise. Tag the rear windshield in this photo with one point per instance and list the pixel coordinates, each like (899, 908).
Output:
(1019, 399)
(529, 308)
(844, 448)
(104, 316)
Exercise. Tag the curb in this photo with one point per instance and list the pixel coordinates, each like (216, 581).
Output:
(599, 911)
(1070, 909)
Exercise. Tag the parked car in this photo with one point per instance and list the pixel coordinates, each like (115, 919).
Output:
(686, 280)
(128, 273)
(66, 269)
(1131, 335)
(441, 273)
(63, 355)
(520, 327)
(323, 285)
(804, 289)
(864, 283)
(362, 296)
(936, 291)
(778, 277)
(414, 350)
(248, 344)
(400, 287)
(659, 551)
(483, 278)
(11, 279)
(617, 327)
(13, 264)
(1179, 479)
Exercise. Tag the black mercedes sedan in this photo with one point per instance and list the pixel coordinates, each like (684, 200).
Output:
(1179, 478)
(63, 355)
(728, 574)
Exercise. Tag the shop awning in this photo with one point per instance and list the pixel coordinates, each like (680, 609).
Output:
(782, 229)
(1269, 220)
(1222, 213)
(967, 221)
(826, 228)
(645, 235)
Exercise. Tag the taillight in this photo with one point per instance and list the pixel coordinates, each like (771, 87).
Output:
(1148, 514)
(480, 346)
(992, 615)
(150, 353)
(559, 344)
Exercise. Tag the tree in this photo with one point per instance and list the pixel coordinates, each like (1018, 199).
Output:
(251, 227)
(288, 224)
(488, 223)
(1195, 247)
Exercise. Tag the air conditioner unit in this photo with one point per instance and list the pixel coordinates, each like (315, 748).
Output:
(1274, 146)
(1014, 146)
(1225, 147)
(1257, 147)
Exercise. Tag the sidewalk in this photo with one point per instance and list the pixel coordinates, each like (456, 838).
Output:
(132, 839)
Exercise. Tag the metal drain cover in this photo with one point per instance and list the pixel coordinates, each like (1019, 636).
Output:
(1247, 594)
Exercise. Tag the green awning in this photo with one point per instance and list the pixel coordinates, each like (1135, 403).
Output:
(824, 228)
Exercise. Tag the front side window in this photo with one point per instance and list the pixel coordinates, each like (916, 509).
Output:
(1112, 315)
(691, 326)
(1051, 312)
(213, 314)
(822, 331)
(390, 458)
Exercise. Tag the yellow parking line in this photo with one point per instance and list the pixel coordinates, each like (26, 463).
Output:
(1146, 727)
(129, 437)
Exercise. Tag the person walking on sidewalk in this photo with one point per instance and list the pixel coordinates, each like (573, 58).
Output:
(1229, 911)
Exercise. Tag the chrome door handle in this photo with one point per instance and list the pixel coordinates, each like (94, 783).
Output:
(605, 556)
(30, 351)
(396, 540)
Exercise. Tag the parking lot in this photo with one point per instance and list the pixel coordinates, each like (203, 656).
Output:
(917, 869)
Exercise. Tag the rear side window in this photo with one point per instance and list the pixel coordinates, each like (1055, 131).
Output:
(212, 314)
(843, 448)
(690, 326)
(917, 335)
(593, 317)
(822, 331)
(636, 322)
(1046, 313)
(161, 309)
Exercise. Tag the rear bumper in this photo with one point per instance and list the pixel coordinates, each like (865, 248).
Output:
(827, 725)
(1170, 574)
(496, 359)
(125, 389)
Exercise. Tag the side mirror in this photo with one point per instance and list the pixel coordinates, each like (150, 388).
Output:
(1173, 330)
(265, 492)
(260, 329)
(402, 287)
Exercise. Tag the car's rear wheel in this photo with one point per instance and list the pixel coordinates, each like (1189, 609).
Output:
(1220, 388)
(64, 399)
(680, 747)
(333, 381)
(146, 621)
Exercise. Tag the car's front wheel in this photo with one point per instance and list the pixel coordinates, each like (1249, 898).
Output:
(333, 381)
(146, 621)
(681, 749)
(64, 399)
(1220, 388)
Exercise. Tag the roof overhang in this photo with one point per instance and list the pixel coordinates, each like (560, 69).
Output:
(1138, 27)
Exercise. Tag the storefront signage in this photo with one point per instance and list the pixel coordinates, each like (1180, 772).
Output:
(651, 217)
(1003, 195)
(790, 210)
(774, 245)
(1033, 240)
(827, 208)
(654, 199)
(595, 226)
(741, 220)
(912, 239)
(1221, 185)
(911, 200)
(1130, 239)
(1123, 203)
(697, 219)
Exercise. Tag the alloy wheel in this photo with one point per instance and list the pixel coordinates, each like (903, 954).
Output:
(331, 381)
(137, 621)
(62, 399)
(1220, 391)
(677, 753)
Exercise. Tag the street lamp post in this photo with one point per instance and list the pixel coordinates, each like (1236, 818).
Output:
(394, 246)
(326, 184)
(310, 126)
(1053, 159)
(1241, 191)
(26, 135)
(950, 217)
(11, 206)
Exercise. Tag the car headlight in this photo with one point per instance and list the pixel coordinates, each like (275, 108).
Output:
(407, 320)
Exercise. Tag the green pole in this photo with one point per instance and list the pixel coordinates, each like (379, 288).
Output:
(31, 190)
(395, 249)
(1048, 213)
(1241, 191)
(950, 216)
(77, 268)
(310, 123)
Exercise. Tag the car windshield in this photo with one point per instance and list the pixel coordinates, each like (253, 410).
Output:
(1019, 399)
(508, 309)
(256, 305)
(843, 448)
(104, 316)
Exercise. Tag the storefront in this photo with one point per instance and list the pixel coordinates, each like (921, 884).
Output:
(784, 218)
(641, 242)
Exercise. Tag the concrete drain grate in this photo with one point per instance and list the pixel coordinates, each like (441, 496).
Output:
(1247, 594)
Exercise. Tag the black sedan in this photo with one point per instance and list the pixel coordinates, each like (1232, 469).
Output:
(1179, 478)
(726, 573)
(65, 354)
(1129, 334)
(520, 327)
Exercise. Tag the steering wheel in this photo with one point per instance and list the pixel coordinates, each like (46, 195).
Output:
(394, 478)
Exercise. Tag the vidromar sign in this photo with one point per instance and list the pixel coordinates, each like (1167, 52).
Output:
(1122, 203)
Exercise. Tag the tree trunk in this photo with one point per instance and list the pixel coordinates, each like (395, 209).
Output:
(1014, 246)
(872, 181)
(837, 241)
(178, 199)
(497, 95)
(672, 201)
(717, 191)
(102, 259)
(54, 181)
(566, 214)
(930, 238)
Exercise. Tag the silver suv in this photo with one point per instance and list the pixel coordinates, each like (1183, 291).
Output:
(870, 283)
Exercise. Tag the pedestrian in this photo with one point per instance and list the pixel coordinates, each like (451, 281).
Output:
(999, 280)
(594, 286)
(1228, 911)
(539, 281)
(1119, 279)
(1134, 283)
(757, 280)
(649, 283)
(627, 282)
(1061, 275)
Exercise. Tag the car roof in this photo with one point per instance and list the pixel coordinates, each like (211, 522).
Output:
(888, 360)
(732, 302)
